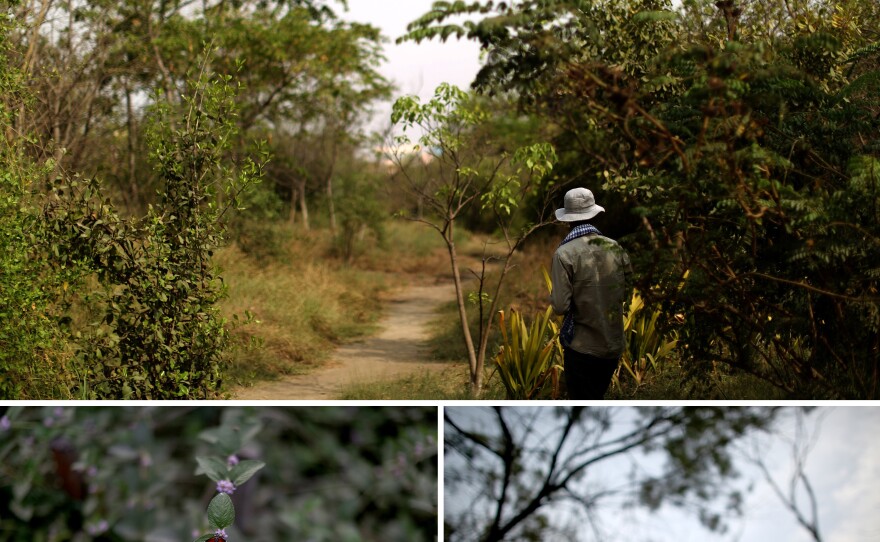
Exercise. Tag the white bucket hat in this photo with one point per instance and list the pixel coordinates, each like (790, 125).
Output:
(579, 205)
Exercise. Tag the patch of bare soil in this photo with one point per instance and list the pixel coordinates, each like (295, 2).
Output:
(398, 350)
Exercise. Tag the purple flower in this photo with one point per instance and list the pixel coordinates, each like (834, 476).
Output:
(95, 529)
(92, 471)
(48, 421)
(225, 486)
(232, 460)
(5, 424)
(221, 533)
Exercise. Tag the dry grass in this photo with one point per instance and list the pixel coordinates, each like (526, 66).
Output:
(410, 248)
(300, 309)
(447, 384)
(305, 302)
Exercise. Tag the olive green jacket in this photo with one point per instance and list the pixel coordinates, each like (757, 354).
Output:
(592, 277)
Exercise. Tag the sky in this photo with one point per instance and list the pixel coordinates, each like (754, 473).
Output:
(414, 68)
(843, 466)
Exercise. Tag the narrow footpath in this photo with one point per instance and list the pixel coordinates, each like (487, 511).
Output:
(398, 350)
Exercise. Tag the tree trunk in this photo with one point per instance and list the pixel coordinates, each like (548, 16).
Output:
(303, 205)
(476, 364)
(328, 181)
(132, 162)
(484, 338)
(294, 192)
(330, 207)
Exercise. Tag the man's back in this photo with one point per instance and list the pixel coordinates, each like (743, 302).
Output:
(590, 277)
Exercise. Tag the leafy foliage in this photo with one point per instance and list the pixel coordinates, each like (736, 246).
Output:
(156, 332)
(232, 472)
(361, 215)
(743, 137)
(646, 345)
(111, 474)
(30, 337)
(466, 175)
(529, 355)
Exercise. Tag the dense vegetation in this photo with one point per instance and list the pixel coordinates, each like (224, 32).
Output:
(136, 144)
(734, 144)
(113, 474)
(741, 141)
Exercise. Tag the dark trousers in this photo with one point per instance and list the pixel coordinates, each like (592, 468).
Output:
(586, 376)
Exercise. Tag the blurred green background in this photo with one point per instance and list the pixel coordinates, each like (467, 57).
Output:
(129, 473)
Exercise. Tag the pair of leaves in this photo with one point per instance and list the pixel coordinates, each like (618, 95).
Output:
(216, 469)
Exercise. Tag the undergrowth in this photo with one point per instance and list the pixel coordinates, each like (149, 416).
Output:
(301, 307)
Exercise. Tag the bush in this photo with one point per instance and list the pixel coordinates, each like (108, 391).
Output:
(109, 474)
(31, 349)
(529, 356)
(255, 227)
(153, 328)
(358, 215)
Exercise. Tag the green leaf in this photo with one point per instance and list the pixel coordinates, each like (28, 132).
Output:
(221, 512)
(243, 472)
(213, 467)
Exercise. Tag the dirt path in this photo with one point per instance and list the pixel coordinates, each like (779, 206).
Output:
(398, 350)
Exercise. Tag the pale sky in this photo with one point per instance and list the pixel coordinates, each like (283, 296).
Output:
(415, 68)
(843, 466)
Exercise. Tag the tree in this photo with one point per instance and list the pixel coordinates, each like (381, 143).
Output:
(806, 514)
(464, 173)
(508, 470)
(743, 139)
(93, 66)
(307, 87)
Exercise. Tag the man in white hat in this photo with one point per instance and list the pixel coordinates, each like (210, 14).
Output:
(591, 277)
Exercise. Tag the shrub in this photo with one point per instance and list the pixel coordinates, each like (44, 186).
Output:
(93, 474)
(154, 330)
(646, 344)
(529, 356)
(30, 338)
